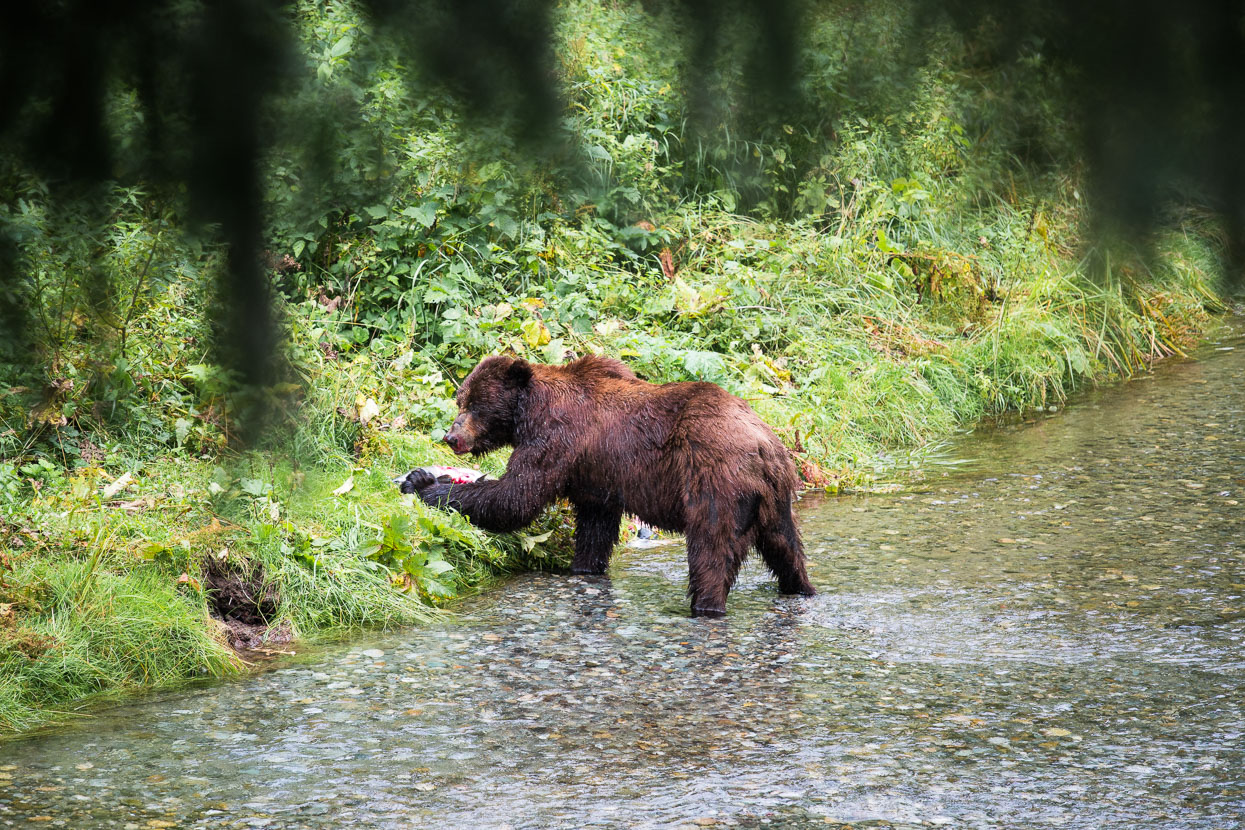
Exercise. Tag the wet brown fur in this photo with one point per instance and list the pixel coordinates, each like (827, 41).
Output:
(685, 457)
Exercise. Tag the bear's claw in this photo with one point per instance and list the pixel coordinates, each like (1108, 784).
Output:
(415, 481)
(803, 589)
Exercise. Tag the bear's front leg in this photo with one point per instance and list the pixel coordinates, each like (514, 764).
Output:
(596, 533)
(437, 495)
(506, 504)
(487, 504)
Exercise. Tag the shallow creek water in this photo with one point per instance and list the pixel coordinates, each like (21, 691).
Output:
(1047, 634)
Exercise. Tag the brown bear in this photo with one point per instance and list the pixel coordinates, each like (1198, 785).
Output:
(686, 457)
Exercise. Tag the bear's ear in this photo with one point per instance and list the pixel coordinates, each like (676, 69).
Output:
(519, 372)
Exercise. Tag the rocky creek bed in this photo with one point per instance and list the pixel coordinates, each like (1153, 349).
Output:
(1047, 633)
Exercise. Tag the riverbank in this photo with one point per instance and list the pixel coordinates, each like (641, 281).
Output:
(1039, 636)
(118, 578)
(867, 282)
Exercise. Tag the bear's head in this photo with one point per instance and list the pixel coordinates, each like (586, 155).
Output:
(488, 401)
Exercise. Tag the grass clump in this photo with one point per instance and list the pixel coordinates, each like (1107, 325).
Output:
(78, 630)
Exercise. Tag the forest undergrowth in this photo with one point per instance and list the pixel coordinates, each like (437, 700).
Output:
(899, 259)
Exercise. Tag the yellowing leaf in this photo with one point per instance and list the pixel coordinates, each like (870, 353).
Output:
(346, 487)
(534, 333)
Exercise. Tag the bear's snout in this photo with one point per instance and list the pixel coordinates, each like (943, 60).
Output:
(462, 434)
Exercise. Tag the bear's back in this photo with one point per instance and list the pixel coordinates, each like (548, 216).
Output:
(598, 366)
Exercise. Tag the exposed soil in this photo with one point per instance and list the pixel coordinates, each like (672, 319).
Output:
(244, 603)
(248, 637)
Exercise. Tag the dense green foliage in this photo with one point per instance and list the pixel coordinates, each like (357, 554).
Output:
(857, 277)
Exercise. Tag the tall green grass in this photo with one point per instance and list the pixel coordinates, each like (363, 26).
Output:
(85, 631)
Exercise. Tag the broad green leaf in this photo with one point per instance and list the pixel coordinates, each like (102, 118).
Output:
(436, 588)
(530, 542)
(425, 214)
(182, 429)
(436, 567)
(342, 46)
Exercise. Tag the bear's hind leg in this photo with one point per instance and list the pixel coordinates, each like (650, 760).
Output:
(780, 546)
(596, 533)
(713, 561)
